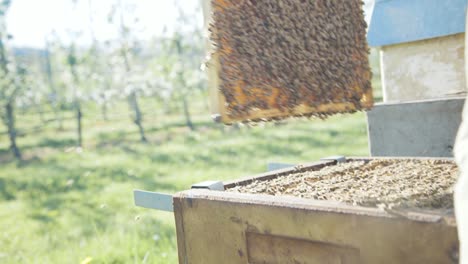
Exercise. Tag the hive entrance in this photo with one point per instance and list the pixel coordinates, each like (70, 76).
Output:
(275, 59)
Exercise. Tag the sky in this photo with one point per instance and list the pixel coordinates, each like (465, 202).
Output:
(32, 21)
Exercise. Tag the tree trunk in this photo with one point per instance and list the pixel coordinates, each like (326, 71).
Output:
(104, 112)
(137, 117)
(132, 97)
(167, 107)
(10, 120)
(79, 131)
(50, 78)
(188, 120)
(58, 118)
(72, 61)
(182, 83)
(41, 113)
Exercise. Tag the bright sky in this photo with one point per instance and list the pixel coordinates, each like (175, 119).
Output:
(31, 21)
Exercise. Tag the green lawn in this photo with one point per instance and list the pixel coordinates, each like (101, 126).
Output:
(62, 205)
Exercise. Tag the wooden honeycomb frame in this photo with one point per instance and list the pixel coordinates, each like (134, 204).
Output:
(269, 96)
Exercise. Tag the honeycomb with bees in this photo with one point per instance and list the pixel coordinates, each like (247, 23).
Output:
(271, 60)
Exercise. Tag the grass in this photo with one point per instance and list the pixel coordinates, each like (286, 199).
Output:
(66, 205)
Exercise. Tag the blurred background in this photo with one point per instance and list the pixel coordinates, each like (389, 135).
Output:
(98, 98)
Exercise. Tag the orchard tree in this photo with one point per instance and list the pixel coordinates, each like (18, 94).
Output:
(55, 95)
(34, 90)
(179, 79)
(76, 95)
(79, 77)
(184, 53)
(131, 76)
(100, 74)
(11, 82)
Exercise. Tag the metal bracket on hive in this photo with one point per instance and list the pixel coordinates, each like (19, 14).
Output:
(338, 159)
(209, 185)
(163, 201)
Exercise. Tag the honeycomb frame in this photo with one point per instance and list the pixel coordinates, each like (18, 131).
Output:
(323, 71)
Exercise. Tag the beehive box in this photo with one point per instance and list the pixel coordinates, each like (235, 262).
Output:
(422, 48)
(422, 59)
(232, 227)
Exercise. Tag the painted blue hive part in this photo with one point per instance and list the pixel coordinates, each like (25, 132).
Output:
(399, 21)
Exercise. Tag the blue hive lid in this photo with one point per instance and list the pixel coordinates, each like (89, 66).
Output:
(399, 21)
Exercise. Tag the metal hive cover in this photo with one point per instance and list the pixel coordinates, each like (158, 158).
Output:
(284, 58)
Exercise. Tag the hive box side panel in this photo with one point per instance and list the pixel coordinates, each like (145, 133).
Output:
(179, 221)
(424, 69)
(418, 129)
(224, 227)
(267, 248)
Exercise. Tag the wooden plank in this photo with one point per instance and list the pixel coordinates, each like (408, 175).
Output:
(179, 220)
(270, 249)
(319, 205)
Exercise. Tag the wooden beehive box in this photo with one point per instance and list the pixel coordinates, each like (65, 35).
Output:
(224, 227)
(422, 48)
(422, 59)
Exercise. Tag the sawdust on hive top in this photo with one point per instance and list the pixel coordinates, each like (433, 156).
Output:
(412, 183)
(291, 56)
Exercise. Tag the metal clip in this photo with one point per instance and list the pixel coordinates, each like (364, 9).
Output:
(153, 200)
(163, 202)
(338, 159)
(210, 185)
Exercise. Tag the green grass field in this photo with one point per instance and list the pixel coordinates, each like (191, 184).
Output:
(65, 205)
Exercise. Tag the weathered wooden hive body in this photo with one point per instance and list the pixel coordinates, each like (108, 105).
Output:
(229, 227)
(422, 51)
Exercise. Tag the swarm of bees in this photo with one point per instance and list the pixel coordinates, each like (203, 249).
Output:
(291, 56)
(383, 183)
